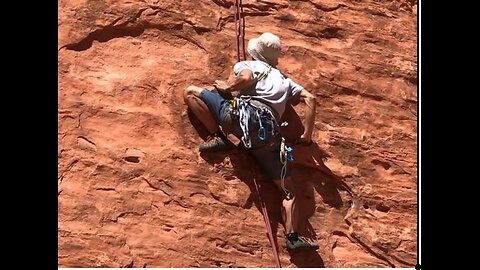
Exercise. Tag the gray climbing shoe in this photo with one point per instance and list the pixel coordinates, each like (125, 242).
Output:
(294, 242)
(215, 144)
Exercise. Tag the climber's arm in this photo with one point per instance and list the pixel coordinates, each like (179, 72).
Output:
(243, 80)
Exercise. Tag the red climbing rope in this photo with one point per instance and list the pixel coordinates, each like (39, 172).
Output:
(240, 40)
(240, 30)
(268, 225)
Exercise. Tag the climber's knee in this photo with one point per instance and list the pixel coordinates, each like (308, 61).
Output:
(192, 90)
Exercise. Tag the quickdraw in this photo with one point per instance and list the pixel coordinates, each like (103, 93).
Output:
(285, 156)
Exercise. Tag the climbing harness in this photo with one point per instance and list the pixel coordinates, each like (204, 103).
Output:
(239, 109)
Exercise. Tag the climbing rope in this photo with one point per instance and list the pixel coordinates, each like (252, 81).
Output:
(267, 224)
(240, 40)
(240, 30)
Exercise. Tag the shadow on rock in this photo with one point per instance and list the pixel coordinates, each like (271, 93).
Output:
(248, 172)
(312, 157)
(309, 172)
(307, 259)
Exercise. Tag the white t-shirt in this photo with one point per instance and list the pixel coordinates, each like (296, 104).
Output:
(274, 90)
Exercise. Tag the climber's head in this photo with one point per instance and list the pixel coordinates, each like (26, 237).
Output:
(265, 48)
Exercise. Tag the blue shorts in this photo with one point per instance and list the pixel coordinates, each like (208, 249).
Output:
(265, 152)
(218, 106)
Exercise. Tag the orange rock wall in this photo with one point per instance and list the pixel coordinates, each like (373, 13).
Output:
(133, 190)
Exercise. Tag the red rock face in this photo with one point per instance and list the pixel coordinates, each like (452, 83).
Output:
(132, 188)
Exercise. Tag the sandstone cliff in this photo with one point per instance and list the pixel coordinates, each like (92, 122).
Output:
(133, 190)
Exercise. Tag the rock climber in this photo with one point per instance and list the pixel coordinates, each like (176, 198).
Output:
(254, 118)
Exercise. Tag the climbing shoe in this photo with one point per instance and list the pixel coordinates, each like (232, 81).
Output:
(215, 143)
(294, 242)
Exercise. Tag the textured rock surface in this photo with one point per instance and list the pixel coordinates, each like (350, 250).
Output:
(132, 189)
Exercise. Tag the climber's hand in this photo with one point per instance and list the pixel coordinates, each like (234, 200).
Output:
(220, 85)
